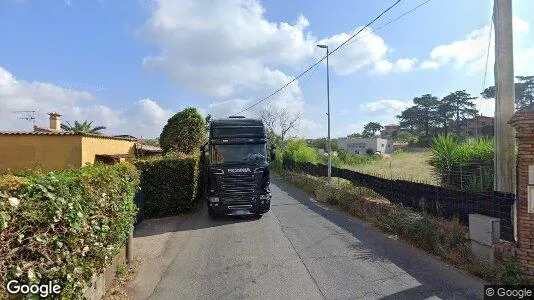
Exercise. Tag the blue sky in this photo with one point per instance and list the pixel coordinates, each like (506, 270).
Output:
(129, 65)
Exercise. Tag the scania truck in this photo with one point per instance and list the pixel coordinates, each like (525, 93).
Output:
(235, 167)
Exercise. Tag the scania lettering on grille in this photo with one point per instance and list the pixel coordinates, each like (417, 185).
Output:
(241, 170)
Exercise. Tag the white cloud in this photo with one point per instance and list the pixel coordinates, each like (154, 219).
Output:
(383, 66)
(344, 112)
(385, 107)
(222, 48)
(352, 128)
(471, 51)
(368, 51)
(309, 129)
(145, 118)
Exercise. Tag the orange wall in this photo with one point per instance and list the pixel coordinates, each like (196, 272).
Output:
(95, 145)
(19, 152)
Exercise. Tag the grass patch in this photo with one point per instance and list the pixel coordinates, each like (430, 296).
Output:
(404, 165)
(440, 237)
(125, 274)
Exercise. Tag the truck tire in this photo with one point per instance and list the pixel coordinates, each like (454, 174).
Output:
(211, 213)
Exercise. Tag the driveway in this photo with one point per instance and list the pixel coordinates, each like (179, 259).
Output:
(299, 250)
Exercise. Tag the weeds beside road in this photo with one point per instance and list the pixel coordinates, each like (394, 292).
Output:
(446, 239)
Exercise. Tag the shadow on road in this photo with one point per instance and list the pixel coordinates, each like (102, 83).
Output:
(197, 219)
(379, 247)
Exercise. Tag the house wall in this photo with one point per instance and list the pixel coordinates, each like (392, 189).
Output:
(360, 145)
(19, 152)
(98, 145)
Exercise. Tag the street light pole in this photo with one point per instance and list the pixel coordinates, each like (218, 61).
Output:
(329, 146)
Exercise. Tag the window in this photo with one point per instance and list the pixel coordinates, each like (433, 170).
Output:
(239, 153)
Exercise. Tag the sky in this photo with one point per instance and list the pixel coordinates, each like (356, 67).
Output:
(130, 65)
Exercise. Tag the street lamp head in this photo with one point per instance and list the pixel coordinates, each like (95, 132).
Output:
(322, 46)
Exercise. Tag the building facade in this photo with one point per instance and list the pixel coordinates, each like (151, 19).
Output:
(360, 145)
(389, 131)
(476, 125)
(53, 149)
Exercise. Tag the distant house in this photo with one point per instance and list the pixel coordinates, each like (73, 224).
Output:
(475, 125)
(389, 131)
(360, 145)
(54, 149)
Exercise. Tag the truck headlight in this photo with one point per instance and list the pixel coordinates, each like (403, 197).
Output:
(213, 199)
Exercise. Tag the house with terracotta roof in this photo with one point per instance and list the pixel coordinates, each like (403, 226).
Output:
(55, 149)
(389, 131)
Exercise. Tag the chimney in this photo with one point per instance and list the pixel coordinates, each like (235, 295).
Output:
(55, 121)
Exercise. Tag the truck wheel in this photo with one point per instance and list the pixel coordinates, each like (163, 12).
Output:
(211, 213)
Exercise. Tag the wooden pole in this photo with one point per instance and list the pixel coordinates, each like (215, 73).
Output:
(505, 98)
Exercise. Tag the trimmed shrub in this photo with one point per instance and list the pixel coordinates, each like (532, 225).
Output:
(299, 151)
(184, 132)
(65, 226)
(169, 185)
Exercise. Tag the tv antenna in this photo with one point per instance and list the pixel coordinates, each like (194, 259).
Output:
(28, 115)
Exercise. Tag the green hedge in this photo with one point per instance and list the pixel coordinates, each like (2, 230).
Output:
(169, 185)
(64, 226)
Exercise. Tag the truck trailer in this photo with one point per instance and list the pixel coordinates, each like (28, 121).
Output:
(235, 167)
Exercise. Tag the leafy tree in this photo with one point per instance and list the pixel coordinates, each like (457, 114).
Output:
(151, 142)
(370, 129)
(445, 115)
(322, 143)
(420, 117)
(409, 119)
(405, 137)
(427, 107)
(460, 104)
(184, 132)
(85, 127)
(524, 92)
(207, 120)
(299, 151)
(355, 135)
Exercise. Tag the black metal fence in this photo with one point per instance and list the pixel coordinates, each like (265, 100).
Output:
(435, 200)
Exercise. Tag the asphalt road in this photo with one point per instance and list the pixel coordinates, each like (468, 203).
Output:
(299, 250)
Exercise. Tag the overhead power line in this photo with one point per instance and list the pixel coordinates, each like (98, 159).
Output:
(391, 21)
(321, 60)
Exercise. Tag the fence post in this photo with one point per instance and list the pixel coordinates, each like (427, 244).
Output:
(461, 177)
(129, 247)
(481, 179)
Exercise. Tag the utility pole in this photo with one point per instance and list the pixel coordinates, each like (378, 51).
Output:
(329, 146)
(504, 160)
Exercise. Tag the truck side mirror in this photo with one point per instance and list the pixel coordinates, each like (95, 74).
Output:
(272, 152)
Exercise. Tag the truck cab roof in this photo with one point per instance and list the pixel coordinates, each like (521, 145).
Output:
(236, 128)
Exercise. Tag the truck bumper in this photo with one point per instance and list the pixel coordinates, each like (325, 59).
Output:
(257, 207)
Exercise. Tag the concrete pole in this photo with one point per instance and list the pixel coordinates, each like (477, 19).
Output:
(505, 160)
(328, 100)
(129, 247)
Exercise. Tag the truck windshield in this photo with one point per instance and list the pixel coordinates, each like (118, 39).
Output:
(239, 153)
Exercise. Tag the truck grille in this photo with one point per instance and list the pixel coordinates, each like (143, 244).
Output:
(237, 188)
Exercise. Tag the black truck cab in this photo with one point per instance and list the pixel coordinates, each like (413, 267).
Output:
(235, 164)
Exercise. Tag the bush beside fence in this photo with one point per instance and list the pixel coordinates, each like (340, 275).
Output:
(64, 226)
(169, 185)
(437, 201)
